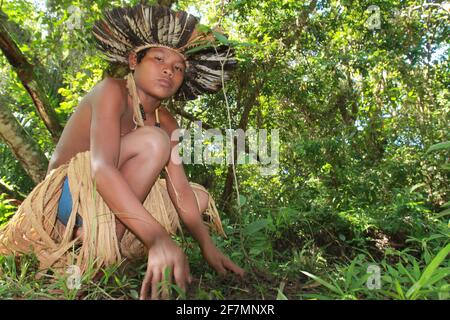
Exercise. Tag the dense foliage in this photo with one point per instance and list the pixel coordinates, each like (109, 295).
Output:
(363, 120)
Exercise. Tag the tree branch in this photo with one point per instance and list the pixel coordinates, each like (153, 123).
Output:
(189, 116)
(11, 193)
(27, 74)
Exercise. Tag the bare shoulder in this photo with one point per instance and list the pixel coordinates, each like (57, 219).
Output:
(109, 91)
(110, 83)
(167, 120)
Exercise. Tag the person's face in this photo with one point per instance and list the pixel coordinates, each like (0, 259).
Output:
(160, 73)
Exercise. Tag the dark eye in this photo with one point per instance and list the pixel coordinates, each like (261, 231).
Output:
(158, 58)
(178, 68)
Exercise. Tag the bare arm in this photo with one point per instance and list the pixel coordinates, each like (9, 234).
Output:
(187, 207)
(105, 148)
(107, 108)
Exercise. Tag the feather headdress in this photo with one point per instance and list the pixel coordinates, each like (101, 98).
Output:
(123, 30)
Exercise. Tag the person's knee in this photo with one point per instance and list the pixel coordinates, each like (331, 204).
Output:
(154, 142)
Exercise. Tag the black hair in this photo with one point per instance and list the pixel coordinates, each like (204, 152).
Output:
(141, 54)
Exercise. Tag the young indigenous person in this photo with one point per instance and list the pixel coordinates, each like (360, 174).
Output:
(103, 198)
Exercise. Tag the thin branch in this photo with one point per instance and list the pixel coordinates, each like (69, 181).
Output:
(11, 192)
(189, 116)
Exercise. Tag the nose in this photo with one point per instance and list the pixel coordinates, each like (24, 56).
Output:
(167, 71)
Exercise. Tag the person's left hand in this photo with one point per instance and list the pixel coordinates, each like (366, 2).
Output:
(218, 261)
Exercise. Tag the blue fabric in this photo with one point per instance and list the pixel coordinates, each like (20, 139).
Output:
(65, 206)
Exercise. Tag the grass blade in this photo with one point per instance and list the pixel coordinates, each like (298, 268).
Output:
(428, 272)
(324, 283)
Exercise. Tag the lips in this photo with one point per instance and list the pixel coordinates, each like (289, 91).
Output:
(165, 83)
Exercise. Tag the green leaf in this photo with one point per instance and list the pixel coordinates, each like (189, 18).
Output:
(417, 186)
(404, 271)
(439, 146)
(443, 213)
(241, 44)
(167, 274)
(428, 272)
(440, 274)
(391, 294)
(280, 294)
(349, 274)
(242, 200)
(199, 48)
(399, 289)
(324, 283)
(446, 205)
(221, 37)
(416, 269)
(134, 294)
(203, 28)
(181, 293)
(444, 292)
(256, 226)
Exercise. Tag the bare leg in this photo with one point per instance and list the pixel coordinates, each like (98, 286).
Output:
(143, 155)
(140, 172)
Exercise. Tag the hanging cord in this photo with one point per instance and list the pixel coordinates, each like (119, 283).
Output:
(138, 114)
(241, 238)
(139, 121)
(138, 117)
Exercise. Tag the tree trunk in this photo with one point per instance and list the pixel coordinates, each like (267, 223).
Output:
(249, 102)
(24, 148)
(228, 188)
(27, 74)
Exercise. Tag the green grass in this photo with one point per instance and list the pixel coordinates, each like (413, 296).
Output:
(404, 274)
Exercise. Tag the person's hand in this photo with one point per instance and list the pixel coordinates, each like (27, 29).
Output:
(162, 254)
(218, 261)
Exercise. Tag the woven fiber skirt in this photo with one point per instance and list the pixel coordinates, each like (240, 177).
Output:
(33, 227)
